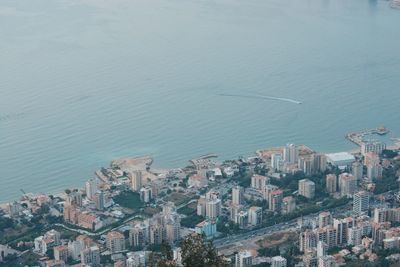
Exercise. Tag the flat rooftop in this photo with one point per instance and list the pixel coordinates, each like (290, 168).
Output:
(340, 156)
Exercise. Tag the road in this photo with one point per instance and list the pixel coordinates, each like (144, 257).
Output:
(226, 241)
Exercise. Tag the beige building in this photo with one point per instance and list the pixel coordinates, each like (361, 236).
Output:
(307, 188)
(324, 219)
(115, 241)
(136, 180)
(259, 181)
(357, 170)
(347, 184)
(331, 183)
(91, 256)
(237, 195)
(61, 253)
(275, 200)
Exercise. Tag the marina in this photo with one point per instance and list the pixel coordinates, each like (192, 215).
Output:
(358, 137)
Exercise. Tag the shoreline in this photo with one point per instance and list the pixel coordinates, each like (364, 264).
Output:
(144, 163)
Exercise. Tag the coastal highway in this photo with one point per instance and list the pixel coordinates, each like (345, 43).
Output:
(255, 233)
(289, 225)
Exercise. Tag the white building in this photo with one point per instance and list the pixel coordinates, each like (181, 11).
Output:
(91, 186)
(357, 170)
(259, 181)
(278, 261)
(237, 195)
(341, 159)
(360, 202)
(372, 146)
(243, 259)
(354, 236)
(213, 208)
(326, 261)
(255, 216)
(321, 249)
(290, 154)
(276, 161)
(74, 249)
(146, 194)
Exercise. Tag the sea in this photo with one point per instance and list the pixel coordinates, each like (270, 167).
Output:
(83, 82)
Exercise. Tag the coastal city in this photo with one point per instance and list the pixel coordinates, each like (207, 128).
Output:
(284, 206)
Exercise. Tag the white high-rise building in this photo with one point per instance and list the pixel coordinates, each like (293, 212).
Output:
(360, 202)
(213, 208)
(342, 226)
(276, 161)
(372, 146)
(354, 236)
(374, 171)
(243, 259)
(138, 235)
(201, 206)
(259, 181)
(91, 186)
(255, 216)
(136, 180)
(74, 249)
(290, 154)
(319, 162)
(275, 200)
(242, 219)
(278, 261)
(146, 194)
(237, 195)
(100, 200)
(357, 170)
(137, 258)
(327, 261)
(267, 190)
(321, 249)
(308, 240)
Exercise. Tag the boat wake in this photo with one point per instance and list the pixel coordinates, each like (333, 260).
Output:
(263, 97)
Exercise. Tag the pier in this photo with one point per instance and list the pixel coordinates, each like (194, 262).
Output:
(357, 137)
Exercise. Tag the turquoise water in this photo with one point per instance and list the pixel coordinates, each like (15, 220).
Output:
(83, 82)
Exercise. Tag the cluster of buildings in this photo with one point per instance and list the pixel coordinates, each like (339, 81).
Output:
(367, 227)
(82, 249)
(360, 232)
(292, 158)
(163, 226)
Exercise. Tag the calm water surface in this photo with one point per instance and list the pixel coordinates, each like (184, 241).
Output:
(83, 82)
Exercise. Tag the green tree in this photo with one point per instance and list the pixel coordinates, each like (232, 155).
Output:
(199, 252)
(166, 250)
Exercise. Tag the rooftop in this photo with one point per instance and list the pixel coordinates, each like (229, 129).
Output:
(340, 156)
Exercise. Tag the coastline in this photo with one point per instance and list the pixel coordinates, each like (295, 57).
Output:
(144, 164)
